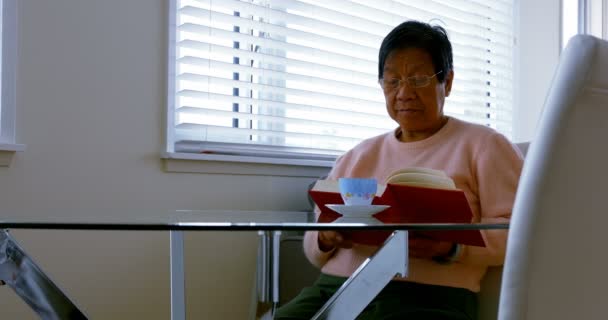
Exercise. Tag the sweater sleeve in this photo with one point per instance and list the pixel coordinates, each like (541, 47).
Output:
(497, 165)
(311, 248)
(311, 238)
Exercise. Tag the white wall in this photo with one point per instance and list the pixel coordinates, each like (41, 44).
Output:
(538, 48)
(90, 109)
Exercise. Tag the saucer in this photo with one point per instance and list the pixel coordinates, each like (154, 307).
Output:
(360, 211)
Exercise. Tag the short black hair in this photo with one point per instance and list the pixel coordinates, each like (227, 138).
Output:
(415, 34)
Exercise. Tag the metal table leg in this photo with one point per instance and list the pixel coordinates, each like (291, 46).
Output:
(276, 245)
(267, 269)
(178, 299)
(368, 280)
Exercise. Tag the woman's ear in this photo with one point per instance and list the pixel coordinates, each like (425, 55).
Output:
(448, 83)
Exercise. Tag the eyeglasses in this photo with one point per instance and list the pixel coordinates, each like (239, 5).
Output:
(413, 82)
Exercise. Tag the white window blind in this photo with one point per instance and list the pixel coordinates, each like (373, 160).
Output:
(298, 78)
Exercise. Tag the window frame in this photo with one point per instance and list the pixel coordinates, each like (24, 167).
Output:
(8, 147)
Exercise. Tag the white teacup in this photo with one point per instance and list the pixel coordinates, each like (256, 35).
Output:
(358, 191)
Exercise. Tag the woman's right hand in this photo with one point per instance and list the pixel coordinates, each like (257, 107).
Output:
(329, 240)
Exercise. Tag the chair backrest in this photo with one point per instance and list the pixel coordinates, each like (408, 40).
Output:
(556, 260)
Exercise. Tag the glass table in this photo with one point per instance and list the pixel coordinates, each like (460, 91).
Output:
(19, 271)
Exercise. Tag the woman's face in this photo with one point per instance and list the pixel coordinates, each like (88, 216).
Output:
(414, 109)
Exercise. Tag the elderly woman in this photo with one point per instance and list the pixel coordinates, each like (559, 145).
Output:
(415, 72)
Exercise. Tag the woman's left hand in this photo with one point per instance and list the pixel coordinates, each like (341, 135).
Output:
(427, 248)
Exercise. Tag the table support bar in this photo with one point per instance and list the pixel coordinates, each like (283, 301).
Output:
(368, 280)
(30, 283)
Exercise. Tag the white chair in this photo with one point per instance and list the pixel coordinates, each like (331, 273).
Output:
(557, 262)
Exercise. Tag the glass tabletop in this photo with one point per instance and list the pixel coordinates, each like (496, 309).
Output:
(220, 220)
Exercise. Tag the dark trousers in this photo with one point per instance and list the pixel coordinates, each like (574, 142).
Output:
(398, 300)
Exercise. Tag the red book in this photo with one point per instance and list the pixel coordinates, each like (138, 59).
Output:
(408, 204)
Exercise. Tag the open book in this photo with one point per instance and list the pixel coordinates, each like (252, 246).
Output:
(408, 204)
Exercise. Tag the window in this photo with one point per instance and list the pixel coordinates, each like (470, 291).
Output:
(596, 18)
(570, 18)
(8, 70)
(584, 17)
(8, 57)
(295, 81)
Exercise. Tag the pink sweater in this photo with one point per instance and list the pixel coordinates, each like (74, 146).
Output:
(482, 163)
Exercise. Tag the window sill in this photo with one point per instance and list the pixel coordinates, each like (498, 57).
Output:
(7, 151)
(243, 165)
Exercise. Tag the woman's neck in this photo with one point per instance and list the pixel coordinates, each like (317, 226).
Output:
(411, 136)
